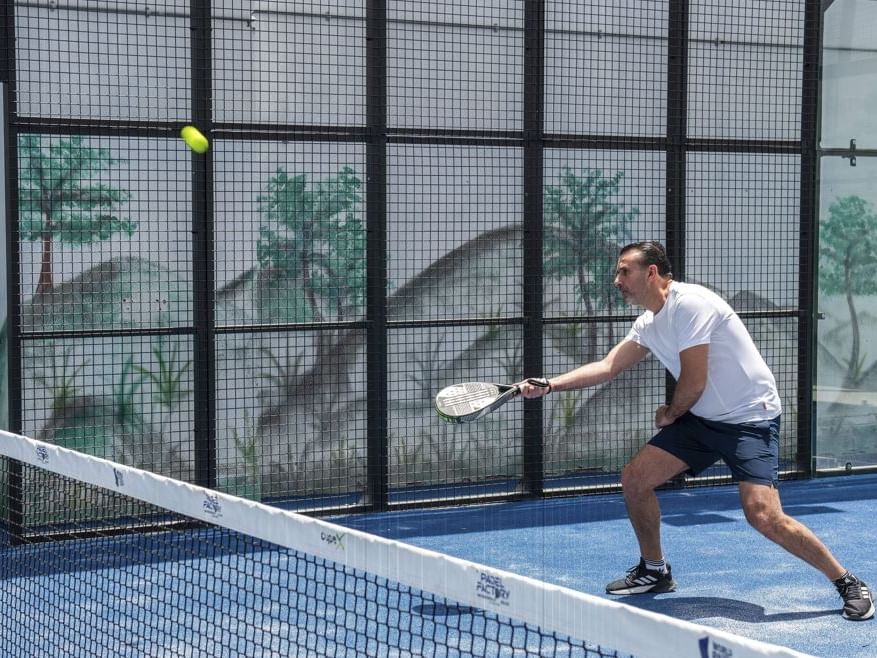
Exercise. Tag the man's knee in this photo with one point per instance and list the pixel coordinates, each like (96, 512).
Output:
(628, 477)
(764, 513)
(637, 479)
(762, 519)
(649, 469)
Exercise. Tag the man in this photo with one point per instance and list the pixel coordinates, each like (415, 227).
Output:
(725, 405)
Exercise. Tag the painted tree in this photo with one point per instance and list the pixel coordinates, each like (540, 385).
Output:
(848, 253)
(59, 200)
(584, 226)
(314, 235)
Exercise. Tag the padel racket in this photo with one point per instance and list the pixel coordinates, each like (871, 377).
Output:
(463, 403)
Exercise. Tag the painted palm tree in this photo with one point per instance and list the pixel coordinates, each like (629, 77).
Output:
(314, 236)
(584, 226)
(311, 251)
(848, 253)
(59, 200)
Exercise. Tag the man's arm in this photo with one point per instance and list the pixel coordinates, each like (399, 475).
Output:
(689, 386)
(623, 356)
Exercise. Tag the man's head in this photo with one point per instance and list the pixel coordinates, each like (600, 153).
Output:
(642, 272)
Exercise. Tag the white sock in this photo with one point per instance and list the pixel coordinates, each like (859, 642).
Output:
(656, 565)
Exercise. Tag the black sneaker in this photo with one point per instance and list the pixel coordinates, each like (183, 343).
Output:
(640, 580)
(858, 604)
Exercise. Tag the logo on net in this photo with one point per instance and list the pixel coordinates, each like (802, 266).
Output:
(42, 455)
(335, 539)
(119, 477)
(211, 506)
(709, 648)
(491, 588)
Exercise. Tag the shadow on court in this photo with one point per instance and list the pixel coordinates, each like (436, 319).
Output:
(689, 608)
(697, 608)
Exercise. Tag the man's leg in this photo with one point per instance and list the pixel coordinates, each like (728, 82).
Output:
(650, 468)
(761, 504)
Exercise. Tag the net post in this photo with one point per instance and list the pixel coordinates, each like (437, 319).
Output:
(533, 185)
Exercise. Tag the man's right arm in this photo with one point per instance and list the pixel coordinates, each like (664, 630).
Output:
(623, 356)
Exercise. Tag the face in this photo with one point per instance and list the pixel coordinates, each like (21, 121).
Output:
(631, 277)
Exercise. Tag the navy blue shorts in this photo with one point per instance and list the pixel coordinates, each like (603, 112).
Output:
(751, 450)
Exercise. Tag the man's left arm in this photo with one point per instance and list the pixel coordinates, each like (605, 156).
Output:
(689, 386)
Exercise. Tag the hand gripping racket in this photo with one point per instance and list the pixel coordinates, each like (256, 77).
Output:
(463, 403)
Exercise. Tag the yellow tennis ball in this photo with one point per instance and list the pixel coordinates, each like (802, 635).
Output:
(194, 139)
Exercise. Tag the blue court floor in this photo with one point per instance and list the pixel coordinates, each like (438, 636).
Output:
(728, 575)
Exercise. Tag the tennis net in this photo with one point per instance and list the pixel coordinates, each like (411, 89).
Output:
(101, 559)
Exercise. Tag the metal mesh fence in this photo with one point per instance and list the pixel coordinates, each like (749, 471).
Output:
(273, 317)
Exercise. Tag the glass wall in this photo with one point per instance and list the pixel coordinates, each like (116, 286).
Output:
(846, 333)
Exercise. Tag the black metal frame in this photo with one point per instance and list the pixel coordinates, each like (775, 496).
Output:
(15, 516)
(808, 241)
(203, 274)
(534, 103)
(377, 468)
(677, 124)
(376, 136)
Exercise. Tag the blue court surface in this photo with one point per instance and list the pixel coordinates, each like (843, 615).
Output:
(729, 576)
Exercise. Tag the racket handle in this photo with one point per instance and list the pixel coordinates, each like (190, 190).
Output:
(541, 382)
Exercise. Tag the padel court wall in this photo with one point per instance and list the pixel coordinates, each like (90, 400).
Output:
(398, 196)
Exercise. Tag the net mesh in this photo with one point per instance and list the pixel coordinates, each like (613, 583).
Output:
(93, 566)
(208, 591)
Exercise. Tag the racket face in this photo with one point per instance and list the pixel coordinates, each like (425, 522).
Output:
(461, 403)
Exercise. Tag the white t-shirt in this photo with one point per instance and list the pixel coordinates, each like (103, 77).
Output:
(740, 388)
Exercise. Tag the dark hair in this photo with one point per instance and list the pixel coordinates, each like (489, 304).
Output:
(651, 253)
